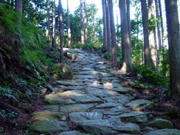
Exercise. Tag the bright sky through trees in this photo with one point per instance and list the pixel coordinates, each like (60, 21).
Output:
(73, 4)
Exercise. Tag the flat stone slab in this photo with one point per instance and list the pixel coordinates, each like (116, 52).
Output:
(108, 126)
(88, 73)
(118, 110)
(101, 92)
(139, 104)
(161, 123)
(70, 93)
(66, 83)
(76, 107)
(87, 69)
(123, 90)
(118, 99)
(107, 105)
(86, 99)
(105, 74)
(81, 116)
(99, 86)
(85, 76)
(164, 132)
(59, 98)
(112, 85)
(46, 115)
(135, 116)
(73, 133)
(45, 126)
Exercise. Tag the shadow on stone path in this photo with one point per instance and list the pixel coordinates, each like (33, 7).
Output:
(94, 103)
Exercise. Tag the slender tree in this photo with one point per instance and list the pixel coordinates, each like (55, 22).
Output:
(108, 28)
(53, 26)
(152, 37)
(161, 21)
(18, 6)
(48, 28)
(128, 17)
(113, 35)
(104, 26)
(174, 46)
(85, 23)
(125, 38)
(158, 25)
(69, 29)
(147, 55)
(82, 25)
(61, 30)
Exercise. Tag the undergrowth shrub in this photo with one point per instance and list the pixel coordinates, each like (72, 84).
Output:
(147, 74)
(21, 53)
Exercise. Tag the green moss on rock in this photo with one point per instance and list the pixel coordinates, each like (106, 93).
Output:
(63, 71)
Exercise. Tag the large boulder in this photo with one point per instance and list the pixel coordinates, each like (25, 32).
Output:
(161, 123)
(62, 70)
(69, 55)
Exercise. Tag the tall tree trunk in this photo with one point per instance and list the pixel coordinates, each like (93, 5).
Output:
(152, 40)
(48, 28)
(94, 34)
(162, 28)
(82, 25)
(18, 6)
(54, 26)
(85, 23)
(174, 46)
(128, 18)
(108, 28)
(69, 29)
(104, 26)
(147, 55)
(61, 30)
(158, 25)
(125, 38)
(117, 25)
(113, 35)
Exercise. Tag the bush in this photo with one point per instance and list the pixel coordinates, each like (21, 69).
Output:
(149, 75)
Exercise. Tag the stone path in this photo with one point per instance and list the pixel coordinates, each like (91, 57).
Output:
(94, 103)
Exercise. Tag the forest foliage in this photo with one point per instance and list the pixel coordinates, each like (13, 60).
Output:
(22, 54)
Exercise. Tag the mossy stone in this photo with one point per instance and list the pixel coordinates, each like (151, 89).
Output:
(63, 71)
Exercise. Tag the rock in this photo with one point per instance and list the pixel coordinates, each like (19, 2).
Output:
(45, 126)
(101, 93)
(118, 99)
(139, 104)
(123, 90)
(88, 72)
(81, 116)
(55, 99)
(69, 55)
(76, 107)
(148, 129)
(118, 110)
(164, 132)
(73, 133)
(46, 115)
(161, 123)
(107, 105)
(70, 93)
(68, 83)
(53, 108)
(109, 126)
(85, 77)
(87, 99)
(63, 71)
(135, 116)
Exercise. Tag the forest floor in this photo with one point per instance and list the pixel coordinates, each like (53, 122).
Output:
(99, 100)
